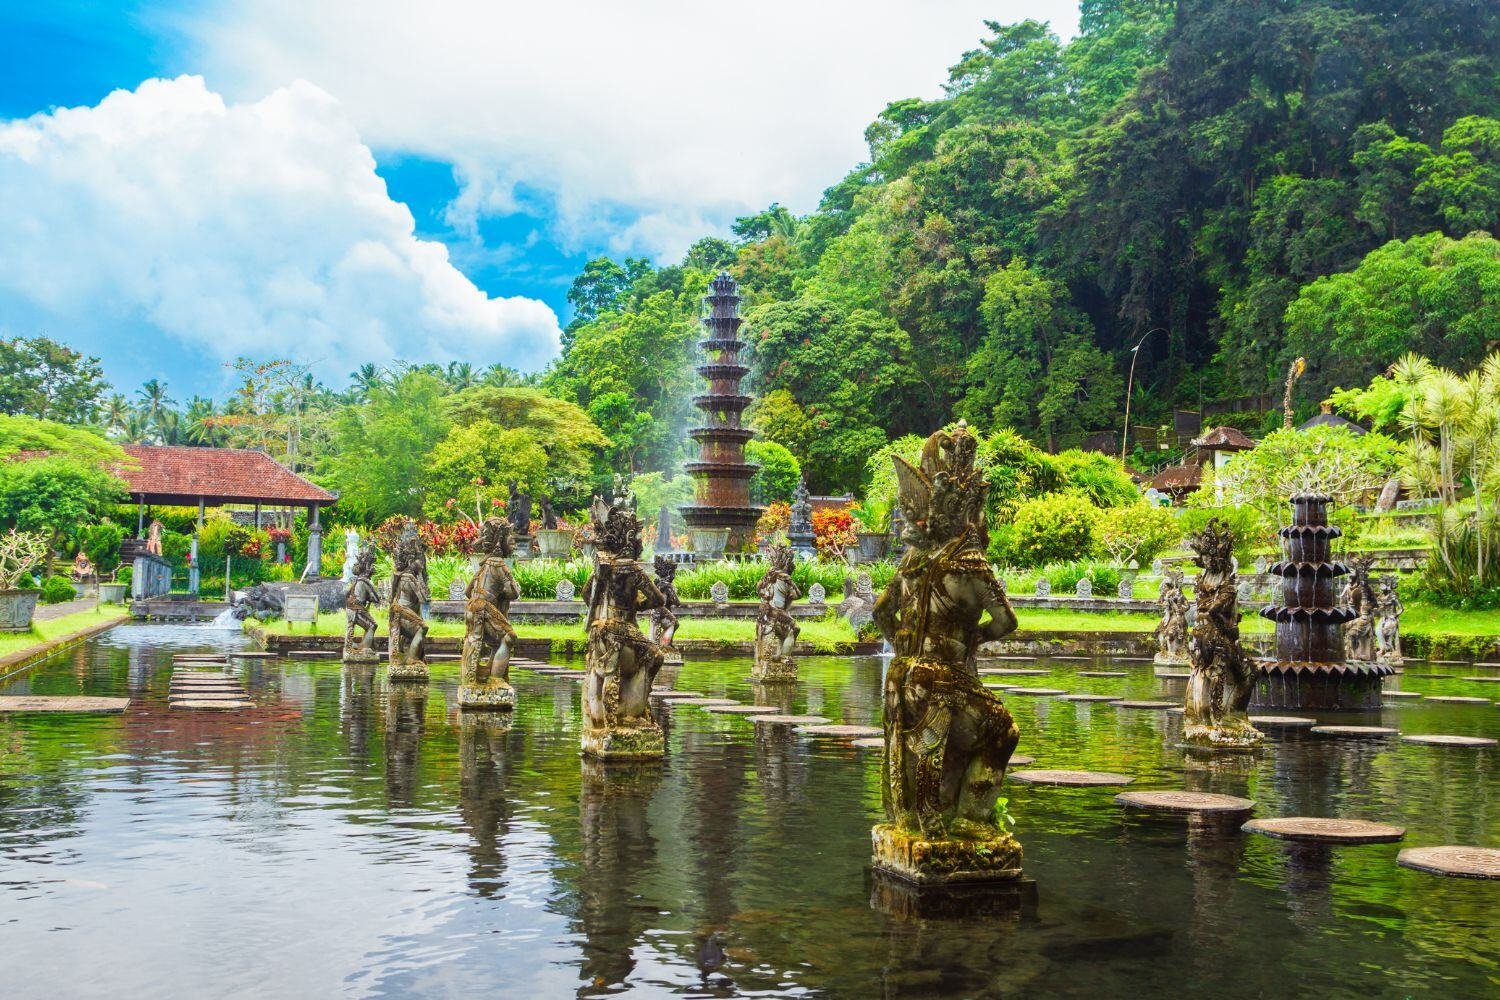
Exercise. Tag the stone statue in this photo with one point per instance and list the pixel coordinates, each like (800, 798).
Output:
(622, 663)
(1388, 609)
(488, 636)
(663, 619)
(518, 509)
(549, 516)
(799, 530)
(408, 596)
(947, 738)
(357, 610)
(1221, 677)
(153, 538)
(776, 630)
(1359, 634)
(1171, 632)
(351, 553)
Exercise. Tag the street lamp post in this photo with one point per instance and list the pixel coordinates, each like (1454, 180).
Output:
(1135, 352)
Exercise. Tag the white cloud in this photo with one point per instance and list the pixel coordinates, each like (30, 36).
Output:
(683, 113)
(258, 228)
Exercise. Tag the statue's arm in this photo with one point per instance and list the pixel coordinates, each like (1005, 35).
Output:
(887, 608)
(1002, 616)
(649, 594)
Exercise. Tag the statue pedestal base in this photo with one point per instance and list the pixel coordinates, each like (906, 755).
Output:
(1012, 900)
(774, 670)
(410, 672)
(1165, 663)
(359, 654)
(1231, 734)
(492, 694)
(907, 856)
(671, 657)
(639, 742)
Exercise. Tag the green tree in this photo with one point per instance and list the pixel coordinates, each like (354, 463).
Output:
(1463, 182)
(779, 471)
(41, 378)
(380, 448)
(482, 450)
(569, 438)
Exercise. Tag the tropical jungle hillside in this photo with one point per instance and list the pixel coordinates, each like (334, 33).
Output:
(1229, 185)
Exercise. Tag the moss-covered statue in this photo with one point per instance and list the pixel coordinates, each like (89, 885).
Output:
(409, 596)
(1221, 677)
(664, 619)
(776, 630)
(622, 663)
(488, 636)
(1358, 593)
(1388, 609)
(1171, 631)
(357, 615)
(947, 739)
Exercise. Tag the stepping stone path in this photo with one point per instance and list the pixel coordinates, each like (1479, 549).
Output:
(1090, 658)
(1451, 859)
(1320, 830)
(1091, 697)
(1482, 680)
(1078, 779)
(1400, 694)
(206, 690)
(1186, 802)
(1021, 760)
(869, 743)
(1352, 731)
(1449, 741)
(1101, 673)
(837, 730)
(743, 709)
(1037, 692)
(1008, 672)
(1174, 675)
(315, 654)
(1458, 699)
(668, 695)
(789, 720)
(249, 654)
(707, 701)
(1290, 721)
(64, 703)
(1157, 705)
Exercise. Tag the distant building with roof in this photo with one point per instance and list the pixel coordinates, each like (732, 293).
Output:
(1327, 418)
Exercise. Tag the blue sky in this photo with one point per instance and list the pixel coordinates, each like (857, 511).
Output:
(255, 201)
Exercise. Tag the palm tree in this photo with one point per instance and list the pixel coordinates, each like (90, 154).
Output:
(168, 426)
(201, 429)
(116, 413)
(460, 375)
(137, 428)
(366, 379)
(153, 397)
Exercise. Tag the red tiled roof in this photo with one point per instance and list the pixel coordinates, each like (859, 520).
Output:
(1177, 478)
(1225, 439)
(180, 475)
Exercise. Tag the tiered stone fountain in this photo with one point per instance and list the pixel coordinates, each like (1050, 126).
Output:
(1310, 670)
(721, 474)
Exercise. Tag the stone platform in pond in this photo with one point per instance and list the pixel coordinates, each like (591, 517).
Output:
(1326, 830)
(1187, 802)
(1452, 859)
(1073, 779)
(1437, 740)
(65, 704)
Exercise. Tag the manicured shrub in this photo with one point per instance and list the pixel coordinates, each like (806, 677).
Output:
(1251, 530)
(1139, 532)
(56, 589)
(1055, 527)
(101, 543)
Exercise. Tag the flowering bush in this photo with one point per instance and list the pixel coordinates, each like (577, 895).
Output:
(775, 521)
(833, 532)
(441, 539)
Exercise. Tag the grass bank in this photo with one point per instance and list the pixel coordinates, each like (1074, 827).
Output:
(44, 634)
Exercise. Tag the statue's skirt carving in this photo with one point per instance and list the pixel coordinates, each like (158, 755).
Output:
(949, 861)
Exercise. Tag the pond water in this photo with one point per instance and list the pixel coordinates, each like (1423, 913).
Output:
(344, 840)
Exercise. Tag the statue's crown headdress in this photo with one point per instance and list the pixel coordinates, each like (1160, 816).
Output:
(945, 493)
(664, 568)
(615, 527)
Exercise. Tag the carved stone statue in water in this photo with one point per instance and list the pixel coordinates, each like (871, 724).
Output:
(664, 619)
(1171, 632)
(948, 739)
(1359, 634)
(488, 636)
(1388, 609)
(1221, 677)
(622, 663)
(409, 596)
(357, 610)
(776, 630)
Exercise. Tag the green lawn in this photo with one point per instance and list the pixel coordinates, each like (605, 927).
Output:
(44, 632)
(823, 633)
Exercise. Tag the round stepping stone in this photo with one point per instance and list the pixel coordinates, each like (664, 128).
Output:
(1325, 830)
(743, 709)
(1101, 673)
(1481, 680)
(1458, 699)
(869, 743)
(1157, 705)
(1037, 692)
(676, 695)
(789, 720)
(1433, 739)
(1002, 687)
(1482, 663)
(1091, 697)
(1078, 779)
(1400, 694)
(1452, 859)
(1185, 802)
(1290, 721)
(706, 701)
(1353, 731)
(1174, 676)
(1021, 760)
(1006, 672)
(838, 730)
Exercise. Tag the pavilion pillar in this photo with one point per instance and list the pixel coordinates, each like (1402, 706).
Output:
(314, 544)
(193, 553)
(140, 516)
